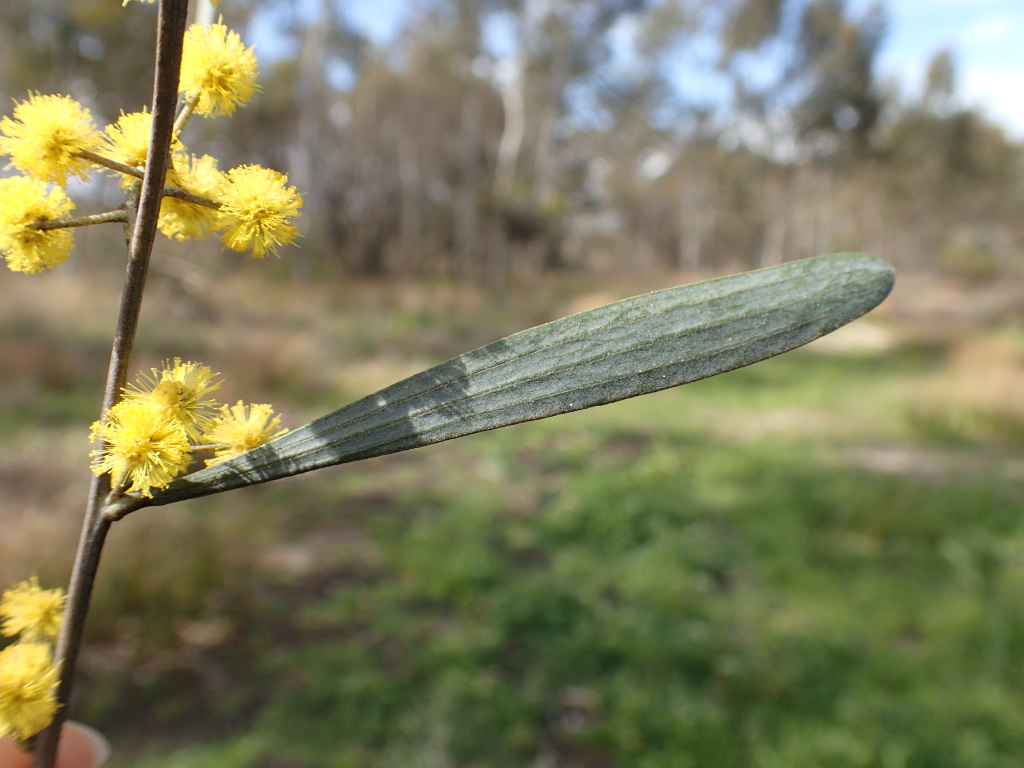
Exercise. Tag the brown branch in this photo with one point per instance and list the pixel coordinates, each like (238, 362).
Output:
(170, 35)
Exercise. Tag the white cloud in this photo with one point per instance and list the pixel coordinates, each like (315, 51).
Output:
(996, 90)
(996, 28)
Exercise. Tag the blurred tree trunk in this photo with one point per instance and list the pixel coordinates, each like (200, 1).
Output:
(411, 220)
(696, 220)
(777, 212)
(468, 215)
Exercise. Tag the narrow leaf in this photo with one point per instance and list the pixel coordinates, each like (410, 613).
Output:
(621, 350)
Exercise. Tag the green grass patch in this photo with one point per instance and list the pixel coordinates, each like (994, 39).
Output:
(625, 587)
(814, 561)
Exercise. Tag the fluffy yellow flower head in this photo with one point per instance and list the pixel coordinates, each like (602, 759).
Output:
(217, 68)
(241, 428)
(176, 391)
(31, 611)
(46, 133)
(142, 444)
(183, 220)
(28, 699)
(257, 208)
(24, 202)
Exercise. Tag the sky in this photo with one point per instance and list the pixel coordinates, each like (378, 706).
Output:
(986, 38)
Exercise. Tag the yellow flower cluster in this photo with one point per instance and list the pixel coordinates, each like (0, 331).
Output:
(25, 203)
(28, 674)
(218, 72)
(256, 210)
(46, 136)
(51, 138)
(166, 419)
(241, 428)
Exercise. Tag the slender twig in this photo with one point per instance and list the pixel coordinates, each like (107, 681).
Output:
(208, 447)
(107, 162)
(138, 173)
(183, 116)
(84, 221)
(170, 33)
(190, 197)
(116, 486)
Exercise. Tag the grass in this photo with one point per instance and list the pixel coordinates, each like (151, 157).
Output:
(803, 563)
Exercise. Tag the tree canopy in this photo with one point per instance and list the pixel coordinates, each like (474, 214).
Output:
(489, 141)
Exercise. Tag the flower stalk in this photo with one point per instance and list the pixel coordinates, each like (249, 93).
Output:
(186, 112)
(84, 221)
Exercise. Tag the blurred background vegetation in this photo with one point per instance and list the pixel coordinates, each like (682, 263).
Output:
(816, 561)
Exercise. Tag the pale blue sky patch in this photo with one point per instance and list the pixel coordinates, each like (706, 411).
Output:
(986, 38)
(377, 19)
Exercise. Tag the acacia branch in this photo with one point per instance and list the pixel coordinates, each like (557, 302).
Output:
(139, 173)
(170, 37)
